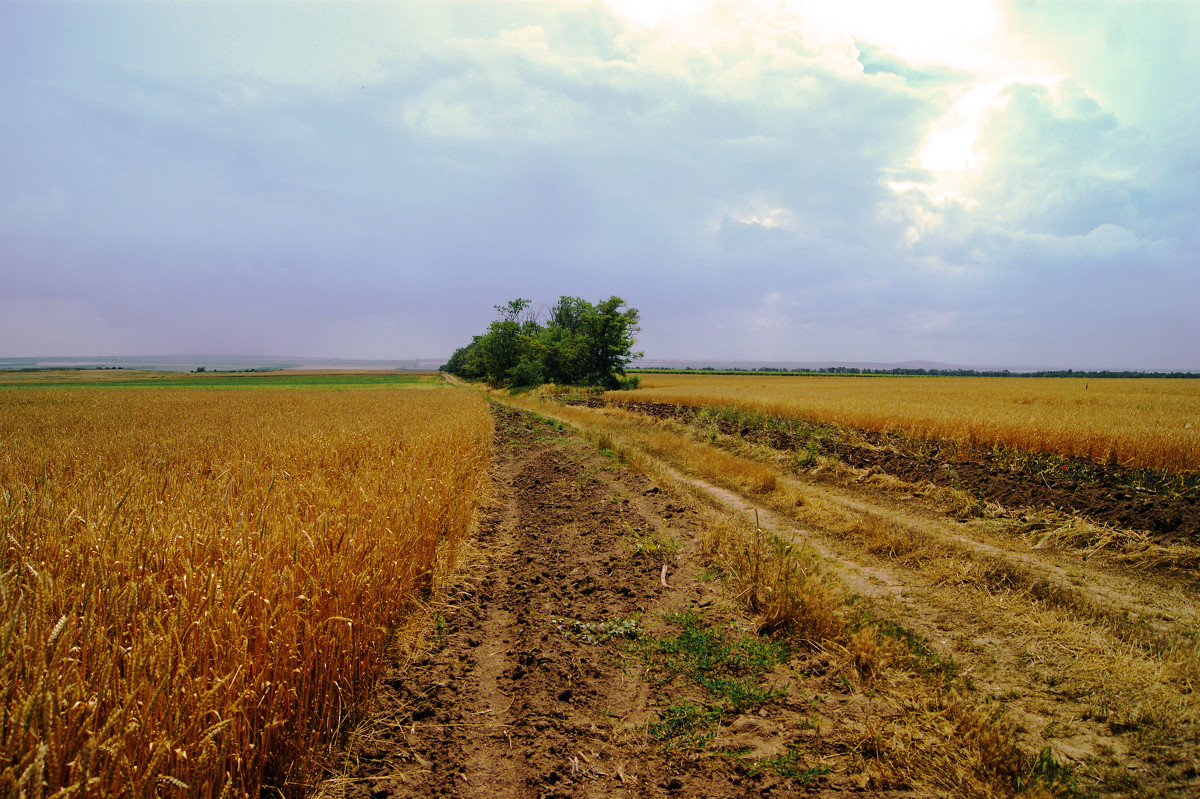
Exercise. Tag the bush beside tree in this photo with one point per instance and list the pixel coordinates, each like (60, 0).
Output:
(579, 344)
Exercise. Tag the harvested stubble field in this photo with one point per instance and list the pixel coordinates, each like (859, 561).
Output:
(197, 586)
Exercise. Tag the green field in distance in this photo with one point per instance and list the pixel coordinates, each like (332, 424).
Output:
(122, 378)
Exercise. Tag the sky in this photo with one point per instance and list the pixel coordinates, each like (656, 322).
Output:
(992, 184)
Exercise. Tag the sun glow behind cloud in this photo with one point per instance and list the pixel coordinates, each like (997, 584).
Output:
(951, 152)
(965, 35)
(951, 144)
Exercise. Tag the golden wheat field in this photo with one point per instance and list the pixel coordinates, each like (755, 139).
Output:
(196, 586)
(1133, 422)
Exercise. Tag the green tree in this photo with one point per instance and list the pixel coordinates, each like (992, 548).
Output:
(500, 349)
(562, 341)
(467, 361)
(609, 334)
(580, 344)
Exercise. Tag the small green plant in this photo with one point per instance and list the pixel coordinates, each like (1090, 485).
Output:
(929, 660)
(598, 632)
(439, 631)
(740, 695)
(1044, 769)
(791, 765)
(656, 545)
(808, 456)
(684, 724)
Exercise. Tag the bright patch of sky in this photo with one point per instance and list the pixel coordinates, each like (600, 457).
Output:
(972, 182)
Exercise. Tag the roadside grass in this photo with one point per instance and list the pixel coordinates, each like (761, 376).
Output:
(1138, 670)
(885, 536)
(924, 729)
(942, 558)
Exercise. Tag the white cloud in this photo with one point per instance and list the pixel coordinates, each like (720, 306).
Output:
(958, 33)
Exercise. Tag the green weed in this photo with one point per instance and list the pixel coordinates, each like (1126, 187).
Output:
(685, 724)
(656, 545)
(726, 665)
(791, 765)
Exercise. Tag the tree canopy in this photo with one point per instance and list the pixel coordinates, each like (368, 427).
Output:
(578, 344)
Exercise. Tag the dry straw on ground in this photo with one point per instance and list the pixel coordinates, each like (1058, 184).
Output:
(196, 586)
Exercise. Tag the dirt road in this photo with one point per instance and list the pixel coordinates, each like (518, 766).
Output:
(546, 675)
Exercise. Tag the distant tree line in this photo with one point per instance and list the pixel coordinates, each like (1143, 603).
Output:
(56, 368)
(853, 370)
(577, 344)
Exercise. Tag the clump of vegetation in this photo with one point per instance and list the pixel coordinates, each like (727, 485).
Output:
(792, 765)
(579, 344)
(654, 544)
(728, 668)
(597, 632)
(780, 581)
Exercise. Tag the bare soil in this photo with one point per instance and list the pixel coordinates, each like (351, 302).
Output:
(1106, 494)
(514, 693)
